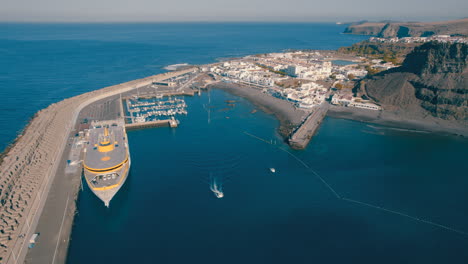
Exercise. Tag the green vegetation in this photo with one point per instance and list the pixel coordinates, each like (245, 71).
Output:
(371, 71)
(388, 52)
(271, 69)
(391, 57)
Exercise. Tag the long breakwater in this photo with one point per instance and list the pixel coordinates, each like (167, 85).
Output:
(29, 166)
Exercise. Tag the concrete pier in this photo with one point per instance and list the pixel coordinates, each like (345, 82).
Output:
(301, 137)
(33, 169)
(157, 123)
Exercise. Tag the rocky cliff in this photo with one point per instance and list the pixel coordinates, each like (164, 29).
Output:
(433, 80)
(365, 28)
(410, 29)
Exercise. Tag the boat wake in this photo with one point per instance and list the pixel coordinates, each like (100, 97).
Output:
(216, 186)
(215, 167)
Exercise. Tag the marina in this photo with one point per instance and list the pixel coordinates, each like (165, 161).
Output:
(157, 109)
(106, 155)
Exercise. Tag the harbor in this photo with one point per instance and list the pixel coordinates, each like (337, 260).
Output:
(153, 112)
(48, 154)
(187, 197)
(151, 102)
(223, 185)
(155, 101)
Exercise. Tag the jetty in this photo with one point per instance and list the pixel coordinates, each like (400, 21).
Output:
(158, 123)
(301, 137)
(36, 193)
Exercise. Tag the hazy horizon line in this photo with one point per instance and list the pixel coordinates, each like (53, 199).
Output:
(347, 21)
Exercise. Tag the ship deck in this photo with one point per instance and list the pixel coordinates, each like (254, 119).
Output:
(106, 161)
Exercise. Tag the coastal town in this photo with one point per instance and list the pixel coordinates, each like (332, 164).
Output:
(439, 38)
(304, 78)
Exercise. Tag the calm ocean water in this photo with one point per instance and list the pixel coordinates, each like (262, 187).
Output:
(45, 63)
(166, 212)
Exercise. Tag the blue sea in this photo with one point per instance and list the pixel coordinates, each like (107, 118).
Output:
(45, 63)
(359, 193)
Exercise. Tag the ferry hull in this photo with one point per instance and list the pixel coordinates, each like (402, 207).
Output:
(107, 193)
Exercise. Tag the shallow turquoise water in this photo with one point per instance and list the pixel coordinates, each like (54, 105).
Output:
(166, 212)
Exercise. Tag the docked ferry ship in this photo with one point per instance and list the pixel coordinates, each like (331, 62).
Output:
(107, 158)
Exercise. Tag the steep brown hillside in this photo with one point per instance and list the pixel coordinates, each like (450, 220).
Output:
(433, 80)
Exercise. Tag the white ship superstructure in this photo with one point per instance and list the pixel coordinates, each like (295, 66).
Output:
(107, 158)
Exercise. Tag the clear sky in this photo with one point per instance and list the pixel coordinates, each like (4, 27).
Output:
(233, 10)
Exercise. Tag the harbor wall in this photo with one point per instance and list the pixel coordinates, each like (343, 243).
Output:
(30, 164)
(301, 137)
(157, 123)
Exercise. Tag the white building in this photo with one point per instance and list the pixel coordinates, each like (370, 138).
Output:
(342, 99)
(359, 73)
(369, 106)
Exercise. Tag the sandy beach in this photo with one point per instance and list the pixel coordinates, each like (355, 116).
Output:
(394, 119)
(288, 115)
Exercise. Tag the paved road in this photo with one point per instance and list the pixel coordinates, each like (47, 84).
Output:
(57, 216)
(56, 219)
(55, 223)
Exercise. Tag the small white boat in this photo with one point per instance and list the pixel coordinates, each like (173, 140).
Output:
(272, 170)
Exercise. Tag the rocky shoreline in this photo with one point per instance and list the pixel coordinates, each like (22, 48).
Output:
(394, 120)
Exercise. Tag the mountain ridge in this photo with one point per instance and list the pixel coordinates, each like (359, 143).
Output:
(433, 80)
(387, 29)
